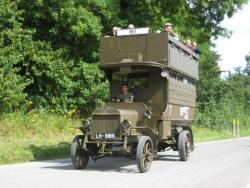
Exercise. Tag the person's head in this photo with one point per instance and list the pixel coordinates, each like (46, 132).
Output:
(188, 43)
(131, 26)
(168, 27)
(125, 88)
(114, 30)
(194, 45)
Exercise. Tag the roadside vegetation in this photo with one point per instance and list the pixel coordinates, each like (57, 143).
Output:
(203, 134)
(42, 135)
(49, 54)
(35, 135)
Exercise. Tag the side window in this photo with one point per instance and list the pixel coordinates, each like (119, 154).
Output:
(172, 75)
(191, 82)
(185, 81)
(179, 78)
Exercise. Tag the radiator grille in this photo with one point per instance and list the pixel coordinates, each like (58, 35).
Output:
(105, 124)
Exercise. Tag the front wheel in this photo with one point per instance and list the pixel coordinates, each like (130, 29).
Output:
(144, 154)
(79, 155)
(184, 145)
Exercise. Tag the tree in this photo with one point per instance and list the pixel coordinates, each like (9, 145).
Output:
(247, 81)
(74, 25)
(247, 69)
(50, 48)
(11, 35)
(33, 69)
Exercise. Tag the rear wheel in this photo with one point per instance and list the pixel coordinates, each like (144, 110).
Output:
(144, 154)
(79, 155)
(184, 145)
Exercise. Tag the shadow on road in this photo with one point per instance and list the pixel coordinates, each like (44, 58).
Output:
(114, 164)
(50, 152)
(167, 157)
(109, 164)
(119, 164)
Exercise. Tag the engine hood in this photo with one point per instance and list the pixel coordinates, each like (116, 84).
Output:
(127, 111)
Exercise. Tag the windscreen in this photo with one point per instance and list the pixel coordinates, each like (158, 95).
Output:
(138, 85)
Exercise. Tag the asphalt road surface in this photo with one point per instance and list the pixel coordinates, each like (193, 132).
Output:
(222, 164)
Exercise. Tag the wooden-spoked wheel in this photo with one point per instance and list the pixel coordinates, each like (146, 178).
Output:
(79, 155)
(144, 154)
(184, 145)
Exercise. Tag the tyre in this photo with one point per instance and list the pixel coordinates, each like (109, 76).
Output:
(79, 156)
(144, 154)
(184, 145)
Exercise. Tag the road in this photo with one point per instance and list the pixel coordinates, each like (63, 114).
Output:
(222, 164)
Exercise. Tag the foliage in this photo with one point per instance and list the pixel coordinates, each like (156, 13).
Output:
(74, 25)
(246, 71)
(49, 51)
(227, 101)
(35, 135)
(11, 35)
(41, 135)
(48, 75)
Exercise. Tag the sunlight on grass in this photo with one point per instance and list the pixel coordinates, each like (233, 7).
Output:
(34, 136)
(39, 135)
(205, 134)
(202, 134)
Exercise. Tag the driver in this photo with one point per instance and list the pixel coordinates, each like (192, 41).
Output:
(125, 95)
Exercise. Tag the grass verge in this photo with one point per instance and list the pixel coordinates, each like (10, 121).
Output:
(203, 134)
(39, 135)
(34, 136)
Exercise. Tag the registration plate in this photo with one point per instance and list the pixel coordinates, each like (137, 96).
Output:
(105, 135)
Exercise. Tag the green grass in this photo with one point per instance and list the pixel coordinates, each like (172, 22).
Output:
(202, 134)
(34, 136)
(245, 132)
(40, 135)
(22, 150)
(206, 134)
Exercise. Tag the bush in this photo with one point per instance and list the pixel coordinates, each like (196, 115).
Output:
(32, 72)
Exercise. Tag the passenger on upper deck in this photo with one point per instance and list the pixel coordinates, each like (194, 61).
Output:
(114, 30)
(195, 48)
(169, 29)
(188, 43)
(131, 26)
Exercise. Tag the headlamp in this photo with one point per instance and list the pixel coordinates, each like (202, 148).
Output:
(86, 124)
(126, 124)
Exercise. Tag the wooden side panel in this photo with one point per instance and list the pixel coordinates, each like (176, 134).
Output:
(157, 45)
(174, 112)
(180, 93)
(151, 48)
(132, 48)
(183, 63)
(109, 50)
